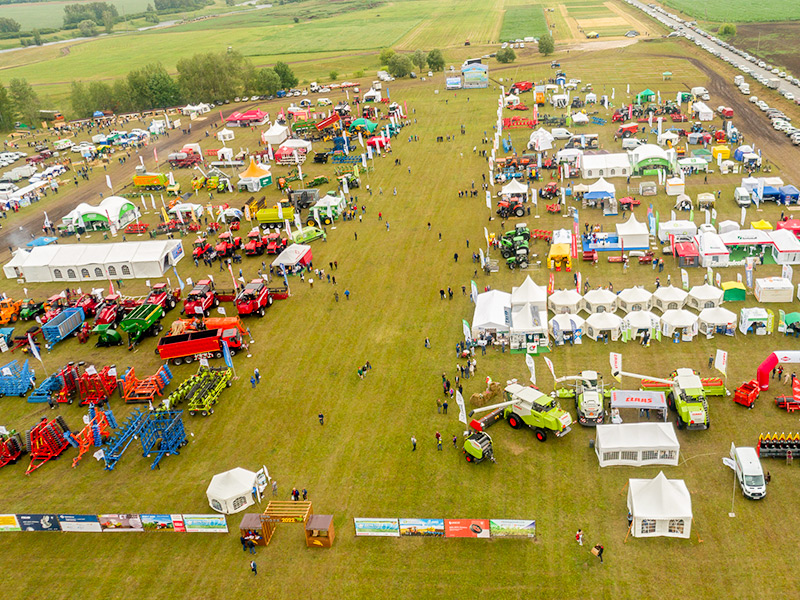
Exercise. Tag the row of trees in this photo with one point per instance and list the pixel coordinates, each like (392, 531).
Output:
(18, 103)
(400, 65)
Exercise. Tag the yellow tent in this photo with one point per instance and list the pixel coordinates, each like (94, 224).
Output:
(762, 224)
(559, 256)
(254, 170)
(723, 151)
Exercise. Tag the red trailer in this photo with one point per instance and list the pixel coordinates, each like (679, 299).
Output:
(747, 394)
(254, 299)
(188, 347)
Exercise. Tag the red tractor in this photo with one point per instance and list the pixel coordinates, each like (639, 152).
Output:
(89, 303)
(549, 191)
(166, 298)
(520, 87)
(114, 308)
(55, 304)
(254, 299)
(275, 243)
(619, 117)
(508, 208)
(627, 131)
(201, 248)
(255, 245)
(227, 244)
(201, 299)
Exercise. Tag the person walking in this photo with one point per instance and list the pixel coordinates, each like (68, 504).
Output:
(579, 537)
(321, 419)
(253, 382)
(599, 548)
(347, 294)
(305, 494)
(455, 257)
(455, 442)
(257, 375)
(274, 487)
(444, 406)
(413, 444)
(439, 443)
(439, 405)
(427, 342)
(710, 361)
(253, 567)
(251, 546)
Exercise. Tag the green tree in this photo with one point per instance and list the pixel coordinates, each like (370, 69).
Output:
(266, 82)
(400, 65)
(420, 59)
(8, 26)
(108, 22)
(334, 75)
(79, 98)
(88, 28)
(74, 14)
(506, 55)
(546, 45)
(121, 96)
(297, 19)
(37, 37)
(24, 100)
(150, 15)
(100, 96)
(7, 115)
(435, 60)
(288, 78)
(727, 29)
(385, 55)
(213, 76)
(152, 87)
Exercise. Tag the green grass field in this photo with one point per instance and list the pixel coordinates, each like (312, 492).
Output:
(738, 11)
(523, 21)
(51, 14)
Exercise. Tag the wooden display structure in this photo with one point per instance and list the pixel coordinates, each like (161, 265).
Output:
(251, 529)
(283, 511)
(319, 531)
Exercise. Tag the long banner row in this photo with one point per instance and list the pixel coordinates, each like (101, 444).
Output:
(114, 523)
(452, 528)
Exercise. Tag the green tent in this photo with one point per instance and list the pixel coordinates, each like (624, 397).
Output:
(363, 124)
(645, 96)
(792, 318)
(733, 291)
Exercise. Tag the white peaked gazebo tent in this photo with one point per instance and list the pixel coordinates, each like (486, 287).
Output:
(296, 144)
(275, 134)
(514, 189)
(528, 315)
(717, 320)
(679, 320)
(634, 299)
(704, 296)
(660, 507)
(541, 140)
(602, 189)
(225, 135)
(599, 301)
(492, 313)
(565, 301)
(601, 324)
(232, 491)
(529, 293)
(566, 327)
(633, 234)
(669, 298)
(639, 322)
(637, 444)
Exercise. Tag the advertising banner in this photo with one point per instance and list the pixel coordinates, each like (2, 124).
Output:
(376, 527)
(422, 527)
(121, 522)
(466, 528)
(40, 522)
(615, 359)
(9, 523)
(512, 528)
(80, 523)
(152, 522)
(205, 523)
(178, 524)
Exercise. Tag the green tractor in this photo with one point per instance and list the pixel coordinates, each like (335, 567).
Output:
(107, 335)
(520, 230)
(518, 260)
(143, 321)
(31, 309)
(589, 394)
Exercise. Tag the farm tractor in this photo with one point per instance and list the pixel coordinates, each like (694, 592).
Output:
(686, 394)
(524, 407)
(200, 248)
(227, 244)
(626, 131)
(516, 243)
(255, 245)
(589, 395)
(9, 311)
(139, 323)
(508, 208)
(166, 298)
(549, 191)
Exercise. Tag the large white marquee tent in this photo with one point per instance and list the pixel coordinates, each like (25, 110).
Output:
(660, 507)
(637, 444)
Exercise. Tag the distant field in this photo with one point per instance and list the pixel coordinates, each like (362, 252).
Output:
(522, 21)
(739, 11)
(51, 14)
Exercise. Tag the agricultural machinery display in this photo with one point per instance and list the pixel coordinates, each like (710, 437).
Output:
(227, 244)
(12, 447)
(77, 382)
(162, 295)
(9, 311)
(160, 432)
(589, 395)
(151, 182)
(204, 296)
(97, 429)
(201, 248)
(31, 309)
(255, 245)
(16, 379)
(509, 208)
(137, 391)
(201, 391)
(254, 299)
(45, 441)
(63, 325)
(142, 322)
(188, 347)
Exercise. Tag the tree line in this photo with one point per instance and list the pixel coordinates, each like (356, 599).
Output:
(402, 65)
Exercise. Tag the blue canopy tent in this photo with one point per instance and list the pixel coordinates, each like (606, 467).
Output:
(770, 193)
(98, 113)
(41, 241)
(598, 195)
(789, 194)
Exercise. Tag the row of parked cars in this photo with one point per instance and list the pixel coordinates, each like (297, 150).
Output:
(780, 121)
(9, 158)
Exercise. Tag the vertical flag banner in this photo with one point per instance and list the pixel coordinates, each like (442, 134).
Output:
(474, 291)
(549, 364)
(615, 360)
(462, 409)
(721, 362)
(532, 367)
(466, 330)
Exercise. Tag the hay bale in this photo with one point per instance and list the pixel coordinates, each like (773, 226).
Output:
(492, 395)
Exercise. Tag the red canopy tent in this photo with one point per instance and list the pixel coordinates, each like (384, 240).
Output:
(378, 140)
(687, 253)
(253, 116)
(792, 225)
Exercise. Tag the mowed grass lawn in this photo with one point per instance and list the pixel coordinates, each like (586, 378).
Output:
(51, 14)
(738, 11)
(523, 21)
(360, 463)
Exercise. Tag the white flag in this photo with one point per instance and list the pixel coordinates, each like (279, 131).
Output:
(615, 359)
(462, 410)
(108, 182)
(532, 367)
(489, 206)
(721, 362)
(364, 160)
(360, 139)
(345, 187)
(34, 349)
(280, 211)
(153, 202)
(549, 364)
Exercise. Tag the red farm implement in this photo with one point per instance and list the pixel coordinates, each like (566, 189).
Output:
(46, 441)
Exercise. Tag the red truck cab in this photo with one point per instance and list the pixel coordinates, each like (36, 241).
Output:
(163, 296)
(201, 248)
(275, 242)
(109, 310)
(254, 299)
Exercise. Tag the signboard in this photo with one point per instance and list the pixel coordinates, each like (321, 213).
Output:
(512, 528)
(38, 522)
(271, 519)
(9, 523)
(377, 527)
(121, 522)
(466, 528)
(637, 399)
(152, 522)
(422, 527)
(616, 365)
(178, 524)
(205, 523)
(80, 523)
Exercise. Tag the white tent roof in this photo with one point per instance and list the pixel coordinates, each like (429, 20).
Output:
(528, 318)
(635, 294)
(632, 227)
(637, 436)
(728, 226)
(670, 293)
(294, 143)
(593, 162)
(599, 297)
(755, 313)
(529, 292)
(706, 292)
(565, 299)
(717, 316)
(660, 498)
(640, 319)
(492, 311)
(275, 134)
(567, 321)
(679, 318)
(231, 483)
(601, 185)
(580, 118)
(603, 321)
(514, 187)
(541, 139)
(291, 255)
(647, 151)
(709, 243)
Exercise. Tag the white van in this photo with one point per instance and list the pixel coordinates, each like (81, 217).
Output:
(745, 89)
(749, 472)
(738, 80)
(741, 196)
(560, 133)
(631, 143)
